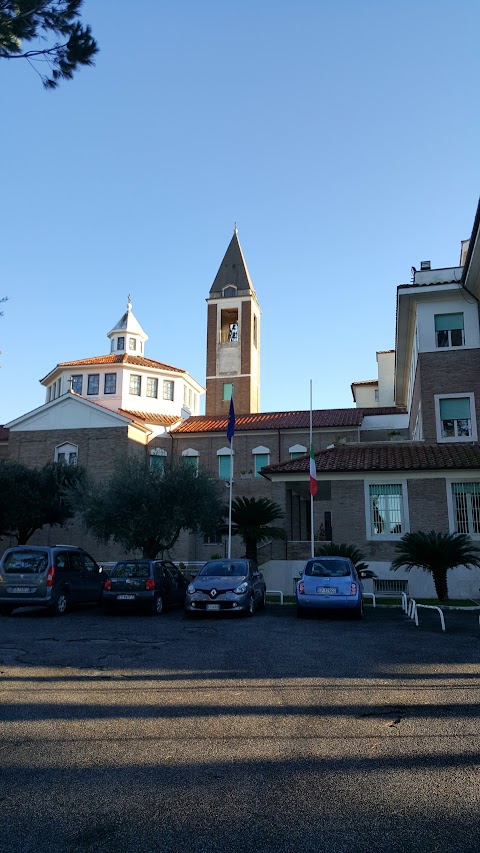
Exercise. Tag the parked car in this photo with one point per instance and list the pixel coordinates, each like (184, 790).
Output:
(227, 586)
(56, 577)
(329, 583)
(149, 584)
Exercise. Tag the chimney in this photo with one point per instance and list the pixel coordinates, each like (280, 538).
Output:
(425, 265)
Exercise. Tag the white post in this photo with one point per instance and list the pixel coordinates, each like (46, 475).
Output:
(312, 532)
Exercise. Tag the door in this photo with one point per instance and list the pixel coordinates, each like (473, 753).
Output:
(91, 578)
(176, 590)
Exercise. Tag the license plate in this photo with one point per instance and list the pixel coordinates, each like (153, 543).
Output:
(125, 598)
(20, 589)
(326, 590)
(212, 607)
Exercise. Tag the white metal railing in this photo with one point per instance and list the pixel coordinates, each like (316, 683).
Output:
(276, 592)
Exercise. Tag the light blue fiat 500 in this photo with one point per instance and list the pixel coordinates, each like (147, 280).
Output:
(329, 583)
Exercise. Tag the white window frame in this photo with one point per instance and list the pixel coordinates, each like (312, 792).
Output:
(450, 346)
(158, 451)
(135, 393)
(190, 453)
(170, 385)
(473, 418)
(224, 451)
(298, 450)
(389, 537)
(66, 449)
(449, 481)
(260, 451)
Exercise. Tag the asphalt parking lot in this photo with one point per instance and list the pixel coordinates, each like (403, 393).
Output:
(132, 733)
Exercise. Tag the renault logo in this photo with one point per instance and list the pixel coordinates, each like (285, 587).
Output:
(213, 592)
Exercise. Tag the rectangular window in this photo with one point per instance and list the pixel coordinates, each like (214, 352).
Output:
(227, 390)
(152, 387)
(455, 417)
(449, 330)
(386, 509)
(261, 459)
(77, 384)
(120, 343)
(255, 331)
(93, 383)
(295, 454)
(185, 395)
(110, 383)
(167, 389)
(466, 507)
(376, 395)
(215, 537)
(135, 384)
(132, 344)
(224, 467)
(190, 398)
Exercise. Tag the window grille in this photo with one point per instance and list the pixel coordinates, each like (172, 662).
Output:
(110, 383)
(466, 505)
(152, 387)
(167, 389)
(135, 384)
(386, 509)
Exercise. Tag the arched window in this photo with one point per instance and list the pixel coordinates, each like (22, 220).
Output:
(297, 450)
(66, 454)
(191, 457)
(158, 458)
(230, 290)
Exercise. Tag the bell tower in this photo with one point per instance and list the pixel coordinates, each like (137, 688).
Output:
(233, 337)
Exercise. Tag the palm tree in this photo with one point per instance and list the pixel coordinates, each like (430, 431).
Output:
(341, 550)
(252, 520)
(436, 553)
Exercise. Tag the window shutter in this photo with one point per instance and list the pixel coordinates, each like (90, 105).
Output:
(455, 408)
(446, 322)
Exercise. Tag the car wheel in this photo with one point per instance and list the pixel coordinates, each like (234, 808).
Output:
(6, 609)
(60, 604)
(251, 605)
(301, 612)
(264, 600)
(157, 606)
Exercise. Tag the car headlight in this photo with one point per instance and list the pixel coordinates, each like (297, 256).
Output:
(242, 588)
(190, 589)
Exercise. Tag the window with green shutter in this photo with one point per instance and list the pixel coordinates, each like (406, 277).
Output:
(261, 459)
(455, 417)
(449, 330)
(224, 467)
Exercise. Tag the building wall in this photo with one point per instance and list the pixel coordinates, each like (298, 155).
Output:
(386, 378)
(447, 372)
(450, 302)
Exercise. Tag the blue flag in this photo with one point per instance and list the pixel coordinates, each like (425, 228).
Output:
(231, 421)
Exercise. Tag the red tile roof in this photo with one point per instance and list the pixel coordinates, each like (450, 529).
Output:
(114, 358)
(393, 456)
(151, 418)
(321, 418)
(4, 432)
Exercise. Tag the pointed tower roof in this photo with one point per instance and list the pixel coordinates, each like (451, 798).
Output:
(233, 271)
(128, 323)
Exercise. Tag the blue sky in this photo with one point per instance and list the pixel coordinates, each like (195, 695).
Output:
(343, 138)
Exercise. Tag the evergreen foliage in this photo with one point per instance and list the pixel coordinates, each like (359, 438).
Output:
(342, 550)
(436, 553)
(41, 20)
(31, 498)
(146, 510)
(252, 520)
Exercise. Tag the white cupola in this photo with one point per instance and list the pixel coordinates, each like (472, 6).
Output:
(127, 336)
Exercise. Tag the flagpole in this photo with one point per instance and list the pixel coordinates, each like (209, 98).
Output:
(312, 532)
(230, 501)
(230, 432)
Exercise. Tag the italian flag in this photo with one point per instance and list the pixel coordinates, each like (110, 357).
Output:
(313, 473)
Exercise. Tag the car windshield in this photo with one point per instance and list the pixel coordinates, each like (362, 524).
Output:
(131, 570)
(26, 562)
(327, 569)
(224, 568)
